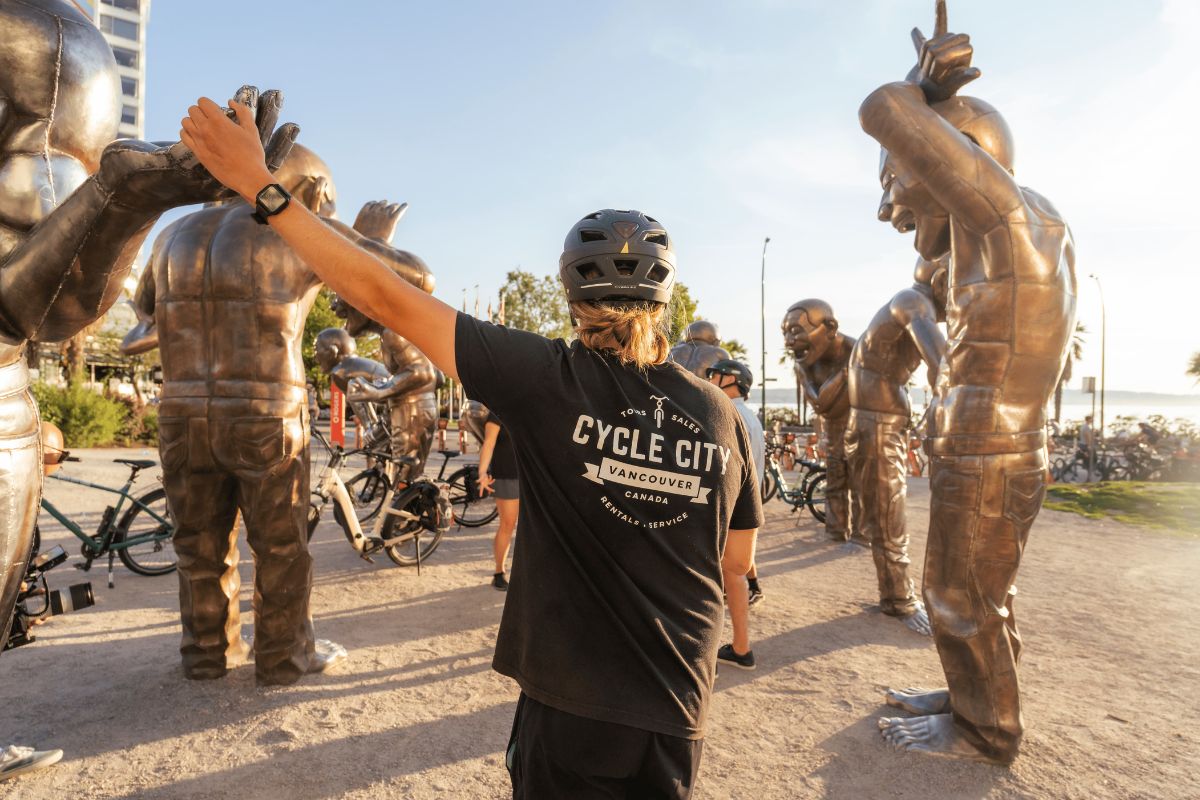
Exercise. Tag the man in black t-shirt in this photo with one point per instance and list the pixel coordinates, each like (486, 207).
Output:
(637, 488)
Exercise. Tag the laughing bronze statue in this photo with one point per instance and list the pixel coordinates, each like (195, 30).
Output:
(337, 355)
(901, 335)
(226, 300)
(75, 207)
(410, 391)
(947, 173)
(700, 348)
(822, 357)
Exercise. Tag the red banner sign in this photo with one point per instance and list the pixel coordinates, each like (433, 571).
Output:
(337, 416)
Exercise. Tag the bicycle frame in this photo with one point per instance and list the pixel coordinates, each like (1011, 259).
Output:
(104, 542)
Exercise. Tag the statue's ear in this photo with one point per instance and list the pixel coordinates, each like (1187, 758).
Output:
(312, 191)
(832, 325)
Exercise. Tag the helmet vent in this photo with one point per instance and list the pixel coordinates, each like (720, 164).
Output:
(658, 273)
(625, 266)
(592, 236)
(589, 271)
(659, 239)
(651, 219)
(593, 215)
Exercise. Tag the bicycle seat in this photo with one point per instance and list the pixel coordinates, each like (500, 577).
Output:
(407, 461)
(136, 463)
(449, 453)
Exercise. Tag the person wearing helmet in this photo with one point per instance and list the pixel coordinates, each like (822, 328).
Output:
(734, 378)
(637, 488)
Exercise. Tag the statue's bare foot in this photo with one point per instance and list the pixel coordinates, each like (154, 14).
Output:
(326, 654)
(935, 734)
(918, 621)
(920, 701)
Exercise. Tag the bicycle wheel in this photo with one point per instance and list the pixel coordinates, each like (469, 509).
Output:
(152, 553)
(413, 535)
(367, 490)
(468, 507)
(814, 498)
(770, 485)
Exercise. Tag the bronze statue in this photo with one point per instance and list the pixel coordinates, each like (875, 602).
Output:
(901, 335)
(75, 207)
(700, 348)
(947, 173)
(822, 355)
(337, 356)
(411, 391)
(226, 300)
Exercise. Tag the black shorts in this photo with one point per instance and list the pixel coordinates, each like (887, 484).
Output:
(553, 754)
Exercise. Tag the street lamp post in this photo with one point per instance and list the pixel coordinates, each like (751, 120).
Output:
(1103, 350)
(762, 311)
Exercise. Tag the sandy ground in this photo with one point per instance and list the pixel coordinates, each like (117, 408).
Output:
(1110, 679)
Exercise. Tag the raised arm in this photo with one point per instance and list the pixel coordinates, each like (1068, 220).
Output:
(143, 337)
(234, 154)
(414, 375)
(902, 117)
(919, 317)
(70, 267)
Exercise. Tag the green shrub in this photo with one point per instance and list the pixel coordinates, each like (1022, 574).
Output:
(87, 419)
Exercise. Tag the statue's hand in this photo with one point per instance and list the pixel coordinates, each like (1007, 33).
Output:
(359, 389)
(157, 176)
(943, 64)
(378, 219)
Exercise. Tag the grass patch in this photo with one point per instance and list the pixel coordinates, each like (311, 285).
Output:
(1166, 506)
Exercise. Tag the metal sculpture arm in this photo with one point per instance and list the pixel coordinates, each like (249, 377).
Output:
(833, 392)
(144, 336)
(405, 264)
(415, 375)
(901, 117)
(919, 317)
(70, 267)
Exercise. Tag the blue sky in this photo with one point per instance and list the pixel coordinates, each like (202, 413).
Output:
(503, 123)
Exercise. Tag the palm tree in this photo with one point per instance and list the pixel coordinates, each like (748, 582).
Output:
(1194, 367)
(1074, 353)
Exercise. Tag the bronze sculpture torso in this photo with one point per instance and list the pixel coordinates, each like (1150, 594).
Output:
(822, 356)
(946, 172)
(74, 209)
(700, 348)
(336, 354)
(901, 335)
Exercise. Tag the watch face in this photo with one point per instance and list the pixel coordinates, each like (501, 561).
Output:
(272, 198)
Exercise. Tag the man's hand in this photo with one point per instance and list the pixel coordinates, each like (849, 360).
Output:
(359, 389)
(943, 62)
(378, 219)
(239, 148)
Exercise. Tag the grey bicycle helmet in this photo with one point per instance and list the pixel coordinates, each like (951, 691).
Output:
(730, 366)
(618, 255)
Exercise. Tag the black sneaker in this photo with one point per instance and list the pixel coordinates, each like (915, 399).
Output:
(499, 582)
(726, 655)
(756, 596)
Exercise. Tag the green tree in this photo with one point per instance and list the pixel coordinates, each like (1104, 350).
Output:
(535, 304)
(319, 318)
(1194, 367)
(735, 349)
(680, 312)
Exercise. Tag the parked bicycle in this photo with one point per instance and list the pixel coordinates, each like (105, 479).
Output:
(809, 493)
(141, 536)
(416, 513)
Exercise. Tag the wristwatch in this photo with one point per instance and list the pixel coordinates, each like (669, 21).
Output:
(270, 201)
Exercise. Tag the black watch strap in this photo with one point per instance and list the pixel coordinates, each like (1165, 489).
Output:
(272, 199)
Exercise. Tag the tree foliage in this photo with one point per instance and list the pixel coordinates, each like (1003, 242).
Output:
(736, 349)
(1194, 366)
(535, 304)
(680, 312)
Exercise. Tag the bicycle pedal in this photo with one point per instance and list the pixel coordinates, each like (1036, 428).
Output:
(84, 567)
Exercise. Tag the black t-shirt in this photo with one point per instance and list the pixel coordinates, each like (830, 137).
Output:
(630, 481)
(504, 463)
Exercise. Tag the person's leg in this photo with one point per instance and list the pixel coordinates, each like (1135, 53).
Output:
(670, 768)
(756, 592)
(554, 754)
(508, 510)
(737, 600)
(203, 505)
(889, 545)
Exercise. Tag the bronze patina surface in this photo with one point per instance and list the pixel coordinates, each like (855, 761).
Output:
(700, 348)
(75, 207)
(902, 335)
(226, 300)
(947, 173)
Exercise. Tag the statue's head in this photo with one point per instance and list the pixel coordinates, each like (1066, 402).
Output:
(702, 331)
(935, 275)
(809, 330)
(908, 204)
(308, 179)
(333, 345)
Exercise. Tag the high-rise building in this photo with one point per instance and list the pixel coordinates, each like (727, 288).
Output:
(123, 23)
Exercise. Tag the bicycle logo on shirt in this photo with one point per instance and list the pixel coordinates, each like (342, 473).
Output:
(658, 411)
